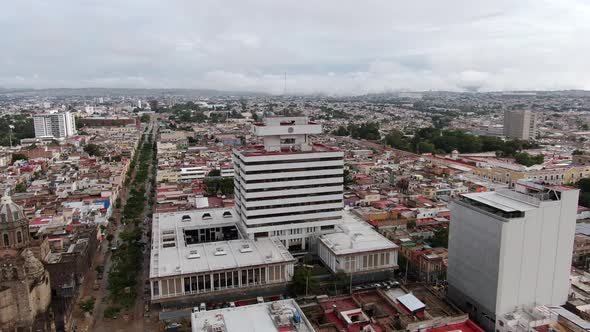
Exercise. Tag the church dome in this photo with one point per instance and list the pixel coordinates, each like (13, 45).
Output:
(10, 212)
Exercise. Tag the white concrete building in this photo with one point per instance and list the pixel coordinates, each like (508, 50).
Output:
(193, 173)
(511, 248)
(54, 125)
(198, 254)
(289, 187)
(283, 316)
(356, 248)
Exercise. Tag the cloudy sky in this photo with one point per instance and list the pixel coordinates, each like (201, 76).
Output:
(327, 46)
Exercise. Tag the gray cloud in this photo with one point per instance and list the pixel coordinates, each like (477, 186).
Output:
(329, 46)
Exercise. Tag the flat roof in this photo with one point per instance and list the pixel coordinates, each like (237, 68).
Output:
(215, 256)
(583, 229)
(259, 150)
(354, 235)
(502, 202)
(582, 323)
(411, 302)
(171, 255)
(261, 317)
(212, 217)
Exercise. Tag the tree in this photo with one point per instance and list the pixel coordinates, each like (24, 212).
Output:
(584, 185)
(22, 127)
(214, 172)
(145, 118)
(341, 131)
(396, 139)
(302, 280)
(348, 180)
(19, 156)
(87, 305)
(426, 147)
(578, 152)
(441, 238)
(93, 150)
(342, 281)
(526, 159)
(20, 187)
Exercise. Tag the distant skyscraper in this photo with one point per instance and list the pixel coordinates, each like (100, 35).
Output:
(289, 187)
(520, 124)
(54, 125)
(511, 248)
(139, 103)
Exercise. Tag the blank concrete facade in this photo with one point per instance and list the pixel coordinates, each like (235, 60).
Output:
(520, 124)
(511, 248)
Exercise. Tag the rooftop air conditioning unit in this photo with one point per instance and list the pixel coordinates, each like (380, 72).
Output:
(193, 254)
(245, 248)
(220, 252)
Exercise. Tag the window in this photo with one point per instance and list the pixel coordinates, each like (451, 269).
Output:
(19, 237)
(6, 240)
(186, 218)
(287, 141)
(155, 288)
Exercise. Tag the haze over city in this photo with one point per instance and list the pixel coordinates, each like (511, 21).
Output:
(332, 47)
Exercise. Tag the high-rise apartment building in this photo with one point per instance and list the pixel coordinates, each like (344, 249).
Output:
(520, 124)
(511, 249)
(288, 187)
(54, 125)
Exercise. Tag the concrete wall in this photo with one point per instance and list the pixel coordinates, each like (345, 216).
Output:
(474, 255)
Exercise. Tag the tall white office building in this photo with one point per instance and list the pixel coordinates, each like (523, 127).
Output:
(288, 187)
(511, 249)
(54, 125)
(520, 124)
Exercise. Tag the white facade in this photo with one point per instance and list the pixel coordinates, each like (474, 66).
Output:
(190, 257)
(289, 188)
(56, 125)
(193, 173)
(357, 248)
(511, 248)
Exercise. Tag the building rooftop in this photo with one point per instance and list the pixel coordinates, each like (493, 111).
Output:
(411, 302)
(259, 150)
(214, 256)
(283, 316)
(355, 236)
(499, 201)
(466, 326)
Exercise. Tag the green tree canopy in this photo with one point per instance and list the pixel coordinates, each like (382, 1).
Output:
(93, 150)
(18, 156)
